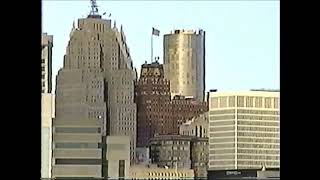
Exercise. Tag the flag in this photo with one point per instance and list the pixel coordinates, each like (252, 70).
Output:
(155, 32)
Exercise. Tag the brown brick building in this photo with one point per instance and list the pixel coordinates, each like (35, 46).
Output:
(157, 114)
(183, 109)
(153, 99)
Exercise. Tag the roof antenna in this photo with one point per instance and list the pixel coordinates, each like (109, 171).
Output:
(94, 7)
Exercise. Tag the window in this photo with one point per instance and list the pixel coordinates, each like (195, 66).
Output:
(231, 101)
(78, 161)
(267, 102)
(42, 60)
(249, 101)
(240, 102)
(214, 102)
(258, 102)
(42, 76)
(223, 102)
(276, 103)
(77, 130)
(121, 168)
(78, 145)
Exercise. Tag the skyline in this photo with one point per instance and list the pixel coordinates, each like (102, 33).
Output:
(242, 38)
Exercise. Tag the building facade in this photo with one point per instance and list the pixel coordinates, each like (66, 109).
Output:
(153, 103)
(157, 113)
(244, 130)
(153, 172)
(171, 150)
(200, 156)
(197, 126)
(47, 115)
(184, 109)
(46, 63)
(178, 151)
(118, 157)
(142, 155)
(184, 63)
(94, 99)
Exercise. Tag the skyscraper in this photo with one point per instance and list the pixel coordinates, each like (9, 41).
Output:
(46, 63)
(184, 63)
(47, 104)
(158, 114)
(244, 130)
(153, 103)
(94, 98)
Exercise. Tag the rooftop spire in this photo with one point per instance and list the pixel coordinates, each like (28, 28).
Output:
(94, 10)
(94, 7)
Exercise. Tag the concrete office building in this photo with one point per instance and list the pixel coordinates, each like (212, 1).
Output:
(244, 130)
(47, 115)
(197, 126)
(184, 63)
(94, 98)
(46, 63)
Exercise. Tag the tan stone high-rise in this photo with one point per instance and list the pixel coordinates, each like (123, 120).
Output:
(184, 63)
(94, 99)
(46, 63)
(47, 104)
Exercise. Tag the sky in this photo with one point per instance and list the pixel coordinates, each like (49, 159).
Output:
(242, 37)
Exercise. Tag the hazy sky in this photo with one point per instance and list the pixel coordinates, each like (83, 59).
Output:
(242, 37)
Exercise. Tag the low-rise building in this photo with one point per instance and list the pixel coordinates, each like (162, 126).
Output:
(118, 156)
(171, 150)
(200, 156)
(154, 172)
(197, 126)
(142, 155)
(179, 151)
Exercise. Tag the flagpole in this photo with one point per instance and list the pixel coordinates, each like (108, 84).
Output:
(152, 46)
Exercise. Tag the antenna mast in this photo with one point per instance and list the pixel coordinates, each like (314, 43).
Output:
(94, 7)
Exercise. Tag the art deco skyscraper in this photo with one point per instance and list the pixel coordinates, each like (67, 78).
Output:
(153, 103)
(184, 63)
(94, 98)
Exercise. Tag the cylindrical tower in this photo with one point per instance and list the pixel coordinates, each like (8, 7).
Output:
(184, 63)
